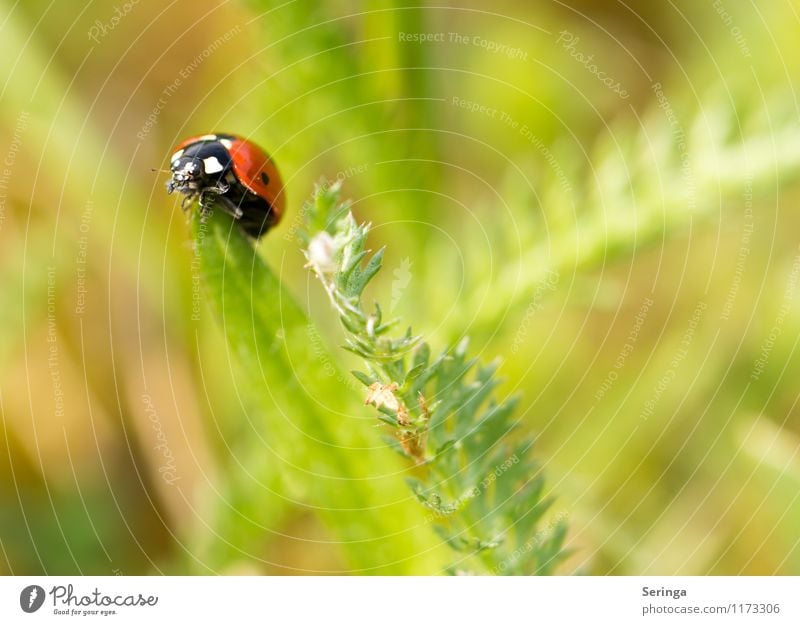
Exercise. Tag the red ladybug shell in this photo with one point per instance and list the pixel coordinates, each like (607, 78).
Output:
(256, 170)
(252, 166)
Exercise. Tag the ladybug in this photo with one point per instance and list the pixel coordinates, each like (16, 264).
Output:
(232, 173)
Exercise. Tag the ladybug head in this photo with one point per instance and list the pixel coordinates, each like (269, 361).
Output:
(186, 174)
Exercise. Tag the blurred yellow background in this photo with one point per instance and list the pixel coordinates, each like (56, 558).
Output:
(603, 195)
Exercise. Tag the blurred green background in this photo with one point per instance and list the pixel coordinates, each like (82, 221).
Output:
(604, 194)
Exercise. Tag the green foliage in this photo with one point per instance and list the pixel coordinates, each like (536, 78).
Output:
(483, 491)
(272, 453)
(553, 236)
(646, 180)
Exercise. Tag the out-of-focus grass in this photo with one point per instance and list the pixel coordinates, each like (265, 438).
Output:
(705, 483)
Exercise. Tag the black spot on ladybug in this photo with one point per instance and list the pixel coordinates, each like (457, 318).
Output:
(207, 168)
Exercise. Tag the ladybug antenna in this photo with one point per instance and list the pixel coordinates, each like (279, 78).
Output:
(163, 171)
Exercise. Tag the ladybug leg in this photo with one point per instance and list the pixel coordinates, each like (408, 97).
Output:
(212, 194)
(232, 210)
(187, 202)
(206, 203)
(207, 194)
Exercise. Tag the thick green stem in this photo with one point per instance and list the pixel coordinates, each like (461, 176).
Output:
(302, 442)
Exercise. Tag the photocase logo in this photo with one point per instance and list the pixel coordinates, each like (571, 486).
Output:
(402, 276)
(31, 598)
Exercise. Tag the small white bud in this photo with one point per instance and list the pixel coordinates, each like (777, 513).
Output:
(320, 253)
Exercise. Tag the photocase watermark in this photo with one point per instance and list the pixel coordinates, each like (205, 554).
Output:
(491, 478)
(402, 278)
(31, 598)
(550, 283)
(319, 352)
(475, 107)
(679, 136)
(168, 470)
(495, 47)
(536, 541)
(66, 602)
(463, 39)
(80, 258)
(52, 345)
(744, 247)
(322, 355)
(298, 221)
(776, 330)
(194, 266)
(172, 88)
(735, 31)
(443, 510)
(569, 42)
(101, 29)
(522, 129)
(677, 358)
(627, 349)
(9, 160)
